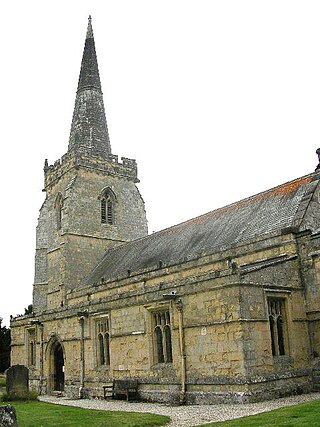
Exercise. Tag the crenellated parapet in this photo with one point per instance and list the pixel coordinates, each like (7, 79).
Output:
(127, 168)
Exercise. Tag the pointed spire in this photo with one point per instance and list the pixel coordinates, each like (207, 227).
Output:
(89, 29)
(89, 131)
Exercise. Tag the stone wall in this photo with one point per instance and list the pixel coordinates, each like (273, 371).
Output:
(225, 325)
(66, 254)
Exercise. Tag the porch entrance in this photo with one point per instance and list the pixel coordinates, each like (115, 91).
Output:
(58, 367)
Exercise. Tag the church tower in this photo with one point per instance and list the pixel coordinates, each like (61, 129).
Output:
(92, 201)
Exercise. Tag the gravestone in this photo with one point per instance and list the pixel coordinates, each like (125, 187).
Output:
(8, 417)
(17, 379)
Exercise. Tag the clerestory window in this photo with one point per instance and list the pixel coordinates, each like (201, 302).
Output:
(162, 337)
(277, 323)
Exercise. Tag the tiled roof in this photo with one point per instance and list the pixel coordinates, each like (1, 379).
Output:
(267, 212)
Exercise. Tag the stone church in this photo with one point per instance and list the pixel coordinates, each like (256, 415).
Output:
(224, 307)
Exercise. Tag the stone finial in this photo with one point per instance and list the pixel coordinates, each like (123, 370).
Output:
(89, 29)
(318, 154)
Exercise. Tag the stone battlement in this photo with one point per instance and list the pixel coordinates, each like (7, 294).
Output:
(127, 168)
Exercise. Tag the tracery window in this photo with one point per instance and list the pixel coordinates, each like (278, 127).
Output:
(31, 337)
(108, 207)
(103, 341)
(277, 322)
(162, 337)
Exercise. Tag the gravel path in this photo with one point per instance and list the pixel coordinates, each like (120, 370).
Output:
(189, 415)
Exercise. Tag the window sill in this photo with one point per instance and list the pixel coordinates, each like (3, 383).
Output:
(162, 365)
(103, 368)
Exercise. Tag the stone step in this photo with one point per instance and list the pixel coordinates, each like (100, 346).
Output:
(57, 393)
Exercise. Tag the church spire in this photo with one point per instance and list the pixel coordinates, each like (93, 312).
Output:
(89, 131)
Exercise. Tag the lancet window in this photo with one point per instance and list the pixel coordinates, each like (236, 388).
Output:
(103, 341)
(108, 207)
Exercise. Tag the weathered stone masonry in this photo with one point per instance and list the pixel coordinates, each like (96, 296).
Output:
(224, 307)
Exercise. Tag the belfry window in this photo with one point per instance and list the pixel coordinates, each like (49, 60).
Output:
(277, 323)
(108, 207)
(103, 341)
(162, 337)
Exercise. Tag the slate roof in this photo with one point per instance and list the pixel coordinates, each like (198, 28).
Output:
(267, 212)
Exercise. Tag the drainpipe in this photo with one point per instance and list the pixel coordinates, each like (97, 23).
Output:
(182, 352)
(82, 364)
(41, 356)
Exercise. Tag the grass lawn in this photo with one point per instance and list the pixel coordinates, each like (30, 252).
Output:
(40, 414)
(302, 415)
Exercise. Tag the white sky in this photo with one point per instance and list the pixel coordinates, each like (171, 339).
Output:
(217, 100)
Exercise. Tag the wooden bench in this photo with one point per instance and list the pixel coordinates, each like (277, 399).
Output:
(108, 389)
(126, 388)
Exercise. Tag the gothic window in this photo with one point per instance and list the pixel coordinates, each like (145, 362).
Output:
(31, 337)
(162, 337)
(103, 341)
(58, 208)
(277, 323)
(108, 207)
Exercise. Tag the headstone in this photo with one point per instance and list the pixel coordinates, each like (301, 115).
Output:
(8, 417)
(17, 379)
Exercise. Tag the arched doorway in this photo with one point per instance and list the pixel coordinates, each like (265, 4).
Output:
(57, 367)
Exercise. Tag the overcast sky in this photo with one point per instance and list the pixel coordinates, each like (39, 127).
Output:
(216, 100)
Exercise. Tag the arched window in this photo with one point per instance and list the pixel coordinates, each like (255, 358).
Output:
(162, 337)
(108, 201)
(103, 341)
(276, 308)
(58, 208)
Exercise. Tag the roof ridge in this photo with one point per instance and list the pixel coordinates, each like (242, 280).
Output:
(233, 203)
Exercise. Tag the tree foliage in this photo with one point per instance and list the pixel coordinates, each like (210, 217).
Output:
(5, 340)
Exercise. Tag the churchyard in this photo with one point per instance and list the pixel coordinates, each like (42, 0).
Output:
(37, 414)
